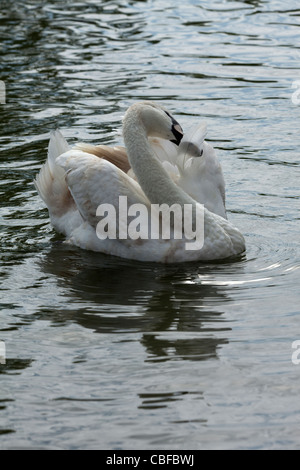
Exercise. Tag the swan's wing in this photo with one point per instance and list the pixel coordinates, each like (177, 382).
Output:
(93, 181)
(116, 155)
(202, 178)
(165, 150)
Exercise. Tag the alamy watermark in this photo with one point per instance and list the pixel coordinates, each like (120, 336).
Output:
(2, 353)
(296, 94)
(159, 221)
(296, 353)
(2, 92)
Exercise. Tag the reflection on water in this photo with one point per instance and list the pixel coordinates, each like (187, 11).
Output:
(144, 355)
(125, 296)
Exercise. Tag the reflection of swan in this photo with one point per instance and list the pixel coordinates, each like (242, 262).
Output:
(165, 306)
(77, 182)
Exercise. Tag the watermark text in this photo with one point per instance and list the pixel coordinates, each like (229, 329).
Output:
(2, 92)
(157, 222)
(183, 460)
(2, 353)
(296, 353)
(296, 94)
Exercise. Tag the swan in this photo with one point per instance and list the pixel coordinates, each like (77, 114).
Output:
(159, 165)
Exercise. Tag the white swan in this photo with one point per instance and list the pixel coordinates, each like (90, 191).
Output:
(157, 167)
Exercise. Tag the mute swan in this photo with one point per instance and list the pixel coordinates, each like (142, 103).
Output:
(158, 166)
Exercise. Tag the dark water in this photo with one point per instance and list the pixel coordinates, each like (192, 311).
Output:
(112, 354)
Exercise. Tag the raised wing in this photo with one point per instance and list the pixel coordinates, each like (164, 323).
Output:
(93, 181)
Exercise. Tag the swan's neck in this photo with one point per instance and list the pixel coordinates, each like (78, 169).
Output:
(152, 177)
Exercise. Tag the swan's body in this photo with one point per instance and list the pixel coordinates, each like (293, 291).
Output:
(152, 170)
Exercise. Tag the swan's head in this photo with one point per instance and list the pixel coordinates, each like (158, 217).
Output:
(157, 121)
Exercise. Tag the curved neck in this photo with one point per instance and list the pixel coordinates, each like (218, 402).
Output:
(152, 177)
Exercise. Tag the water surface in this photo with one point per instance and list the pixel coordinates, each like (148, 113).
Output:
(112, 354)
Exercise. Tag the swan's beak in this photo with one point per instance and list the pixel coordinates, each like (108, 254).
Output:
(177, 132)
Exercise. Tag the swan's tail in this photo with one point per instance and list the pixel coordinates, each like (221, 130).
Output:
(50, 182)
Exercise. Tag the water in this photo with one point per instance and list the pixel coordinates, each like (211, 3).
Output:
(112, 354)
